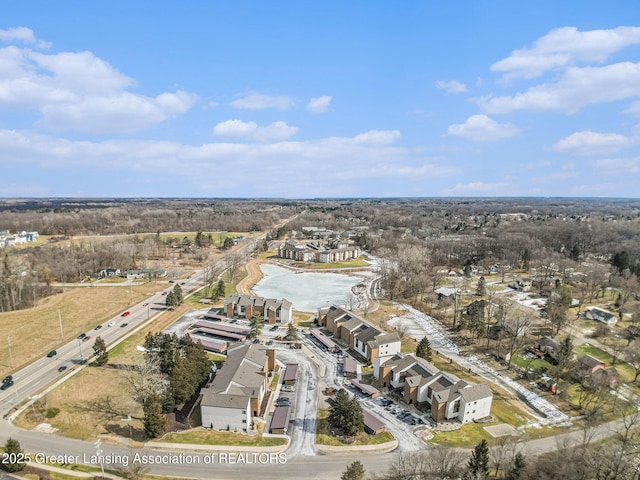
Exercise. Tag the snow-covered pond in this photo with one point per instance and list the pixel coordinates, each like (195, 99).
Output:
(308, 291)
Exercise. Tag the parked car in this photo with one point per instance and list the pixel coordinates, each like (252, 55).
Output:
(52, 353)
(288, 388)
(283, 402)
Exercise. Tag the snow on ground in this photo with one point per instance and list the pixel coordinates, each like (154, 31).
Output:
(419, 324)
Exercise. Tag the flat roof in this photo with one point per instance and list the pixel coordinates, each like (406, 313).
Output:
(349, 364)
(326, 341)
(291, 373)
(222, 326)
(221, 333)
(374, 423)
(280, 418)
(210, 345)
(368, 389)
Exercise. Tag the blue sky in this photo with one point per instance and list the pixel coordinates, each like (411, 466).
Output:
(319, 99)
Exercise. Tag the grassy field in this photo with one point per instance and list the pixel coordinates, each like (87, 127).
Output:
(324, 438)
(35, 331)
(88, 407)
(213, 437)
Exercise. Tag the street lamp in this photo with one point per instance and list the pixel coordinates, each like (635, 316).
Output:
(80, 343)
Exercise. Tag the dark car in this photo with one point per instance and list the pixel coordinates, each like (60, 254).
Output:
(81, 336)
(7, 379)
(6, 384)
(52, 353)
(122, 325)
(62, 368)
(98, 327)
(283, 402)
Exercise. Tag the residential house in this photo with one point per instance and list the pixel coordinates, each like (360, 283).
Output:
(444, 394)
(589, 365)
(362, 337)
(372, 424)
(522, 284)
(550, 347)
(246, 306)
(237, 392)
(595, 313)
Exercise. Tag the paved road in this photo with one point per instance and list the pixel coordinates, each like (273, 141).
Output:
(34, 377)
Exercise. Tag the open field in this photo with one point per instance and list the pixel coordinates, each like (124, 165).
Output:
(88, 408)
(35, 331)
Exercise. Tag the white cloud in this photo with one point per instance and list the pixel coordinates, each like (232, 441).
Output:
(250, 130)
(578, 87)
(259, 101)
(633, 109)
(79, 91)
(23, 35)
(592, 143)
(320, 104)
(564, 46)
(481, 128)
(378, 137)
(618, 166)
(451, 86)
(275, 131)
(234, 129)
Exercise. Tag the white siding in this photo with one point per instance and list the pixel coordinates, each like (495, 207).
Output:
(476, 409)
(220, 418)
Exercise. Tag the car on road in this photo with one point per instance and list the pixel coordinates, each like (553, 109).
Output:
(124, 325)
(98, 327)
(86, 338)
(81, 336)
(62, 368)
(111, 324)
(7, 382)
(269, 342)
(164, 293)
(145, 304)
(172, 281)
(125, 313)
(52, 353)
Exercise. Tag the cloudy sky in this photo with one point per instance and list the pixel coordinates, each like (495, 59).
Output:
(320, 99)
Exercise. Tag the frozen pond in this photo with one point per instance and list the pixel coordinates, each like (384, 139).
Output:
(308, 291)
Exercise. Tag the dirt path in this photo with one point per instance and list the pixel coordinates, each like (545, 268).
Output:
(254, 276)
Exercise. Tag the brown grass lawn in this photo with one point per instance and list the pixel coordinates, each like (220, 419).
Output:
(213, 437)
(37, 330)
(89, 407)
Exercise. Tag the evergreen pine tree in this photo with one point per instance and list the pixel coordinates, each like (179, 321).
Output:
(170, 302)
(478, 466)
(155, 423)
(354, 471)
(481, 289)
(517, 468)
(100, 352)
(177, 294)
(423, 349)
(12, 455)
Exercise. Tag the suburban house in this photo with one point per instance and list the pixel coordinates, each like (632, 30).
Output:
(522, 284)
(421, 383)
(18, 238)
(595, 313)
(237, 392)
(550, 347)
(362, 337)
(246, 306)
(330, 252)
(589, 365)
(145, 273)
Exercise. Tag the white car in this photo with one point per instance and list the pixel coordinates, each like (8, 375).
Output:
(111, 324)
